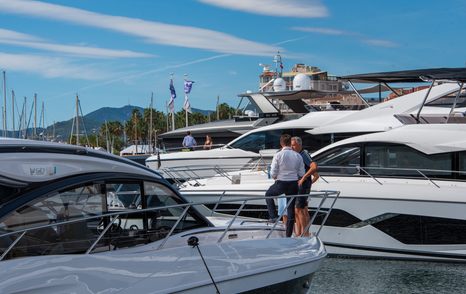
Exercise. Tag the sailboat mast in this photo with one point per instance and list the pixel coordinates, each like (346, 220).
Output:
(77, 119)
(150, 123)
(4, 105)
(35, 117)
(13, 111)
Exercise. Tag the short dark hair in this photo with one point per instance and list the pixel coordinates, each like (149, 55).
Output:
(189, 133)
(285, 139)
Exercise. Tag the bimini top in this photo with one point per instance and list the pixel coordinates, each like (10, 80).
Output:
(27, 161)
(428, 139)
(410, 76)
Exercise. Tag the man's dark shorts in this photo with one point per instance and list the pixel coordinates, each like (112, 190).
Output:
(301, 202)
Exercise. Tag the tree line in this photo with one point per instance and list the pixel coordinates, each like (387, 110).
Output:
(116, 135)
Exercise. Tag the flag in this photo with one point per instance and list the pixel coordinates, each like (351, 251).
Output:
(188, 86)
(171, 104)
(187, 89)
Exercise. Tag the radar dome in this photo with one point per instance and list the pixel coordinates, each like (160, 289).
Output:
(301, 82)
(279, 85)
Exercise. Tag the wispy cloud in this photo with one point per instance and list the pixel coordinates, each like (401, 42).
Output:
(288, 8)
(16, 36)
(380, 43)
(358, 36)
(50, 67)
(324, 31)
(153, 32)
(25, 40)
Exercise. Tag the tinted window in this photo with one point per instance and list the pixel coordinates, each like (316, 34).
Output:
(415, 229)
(259, 141)
(63, 206)
(462, 164)
(271, 140)
(162, 221)
(401, 160)
(448, 101)
(339, 160)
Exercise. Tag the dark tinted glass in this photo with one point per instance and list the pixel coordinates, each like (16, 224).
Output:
(404, 161)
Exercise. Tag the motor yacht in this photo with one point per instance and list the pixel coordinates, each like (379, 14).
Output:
(247, 150)
(75, 220)
(402, 193)
(327, 126)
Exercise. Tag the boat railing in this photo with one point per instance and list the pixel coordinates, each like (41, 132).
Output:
(113, 218)
(375, 173)
(187, 149)
(190, 175)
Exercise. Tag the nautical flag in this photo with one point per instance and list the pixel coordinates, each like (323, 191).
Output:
(171, 103)
(188, 86)
(187, 89)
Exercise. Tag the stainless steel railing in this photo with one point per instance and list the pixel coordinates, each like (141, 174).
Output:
(113, 217)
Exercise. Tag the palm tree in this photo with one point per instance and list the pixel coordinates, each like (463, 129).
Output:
(112, 131)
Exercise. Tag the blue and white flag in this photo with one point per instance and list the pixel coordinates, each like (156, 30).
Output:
(171, 104)
(187, 89)
(188, 86)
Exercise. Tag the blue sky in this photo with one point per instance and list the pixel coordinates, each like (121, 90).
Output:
(116, 52)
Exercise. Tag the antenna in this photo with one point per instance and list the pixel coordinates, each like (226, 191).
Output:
(277, 59)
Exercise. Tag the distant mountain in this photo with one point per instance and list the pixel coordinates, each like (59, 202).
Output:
(201, 111)
(95, 119)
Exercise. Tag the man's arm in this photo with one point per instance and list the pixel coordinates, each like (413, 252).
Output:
(311, 172)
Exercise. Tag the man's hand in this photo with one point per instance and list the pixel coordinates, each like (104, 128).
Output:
(301, 181)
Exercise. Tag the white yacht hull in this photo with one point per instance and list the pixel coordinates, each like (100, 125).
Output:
(235, 266)
(368, 203)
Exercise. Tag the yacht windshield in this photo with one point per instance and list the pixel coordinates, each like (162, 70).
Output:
(340, 160)
(70, 221)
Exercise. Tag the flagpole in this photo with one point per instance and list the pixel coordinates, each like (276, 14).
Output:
(173, 96)
(166, 108)
(173, 121)
(185, 99)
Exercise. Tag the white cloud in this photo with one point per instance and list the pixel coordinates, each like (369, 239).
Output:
(50, 67)
(153, 32)
(24, 40)
(335, 32)
(287, 8)
(16, 36)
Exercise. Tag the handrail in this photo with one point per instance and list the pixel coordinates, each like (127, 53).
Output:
(420, 171)
(116, 215)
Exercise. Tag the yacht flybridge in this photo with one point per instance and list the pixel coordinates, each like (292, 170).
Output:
(74, 220)
(402, 193)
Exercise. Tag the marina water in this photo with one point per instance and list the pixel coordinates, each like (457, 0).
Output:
(348, 275)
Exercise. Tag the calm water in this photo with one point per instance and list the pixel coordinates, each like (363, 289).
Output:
(346, 275)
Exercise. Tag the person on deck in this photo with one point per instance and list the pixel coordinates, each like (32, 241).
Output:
(189, 141)
(208, 142)
(286, 168)
(304, 188)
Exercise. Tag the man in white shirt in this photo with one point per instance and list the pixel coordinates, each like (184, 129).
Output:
(287, 167)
